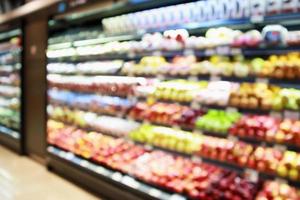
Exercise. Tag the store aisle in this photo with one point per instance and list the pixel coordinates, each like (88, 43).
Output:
(24, 179)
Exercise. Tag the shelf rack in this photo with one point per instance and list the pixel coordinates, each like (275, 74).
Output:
(70, 165)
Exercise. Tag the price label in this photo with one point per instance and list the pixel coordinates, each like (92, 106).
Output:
(69, 156)
(196, 131)
(232, 138)
(236, 51)
(252, 175)
(231, 109)
(177, 197)
(209, 52)
(119, 115)
(195, 105)
(130, 182)
(148, 147)
(131, 54)
(257, 19)
(262, 80)
(117, 176)
(176, 127)
(188, 52)
(197, 159)
(100, 170)
(131, 74)
(277, 115)
(292, 114)
(215, 78)
(280, 147)
(154, 192)
(161, 77)
(130, 119)
(157, 53)
(84, 163)
(281, 180)
(193, 78)
(132, 98)
(223, 50)
(61, 154)
(146, 121)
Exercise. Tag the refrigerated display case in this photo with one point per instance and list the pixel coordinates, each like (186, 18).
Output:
(11, 88)
(199, 100)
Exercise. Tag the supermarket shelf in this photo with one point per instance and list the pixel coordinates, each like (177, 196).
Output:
(10, 51)
(206, 107)
(244, 23)
(10, 34)
(286, 83)
(113, 184)
(261, 175)
(10, 132)
(200, 27)
(225, 51)
(223, 164)
(255, 141)
(10, 139)
(99, 93)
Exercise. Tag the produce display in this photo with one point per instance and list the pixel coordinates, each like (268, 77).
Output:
(10, 85)
(168, 138)
(274, 190)
(258, 95)
(178, 90)
(267, 128)
(167, 114)
(217, 121)
(276, 66)
(108, 67)
(90, 102)
(10, 118)
(177, 40)
(178, 174)
(109, 125)
(110, 85)
(184, 101)
(196, 12)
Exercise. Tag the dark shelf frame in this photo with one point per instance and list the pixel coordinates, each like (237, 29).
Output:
(112, 189)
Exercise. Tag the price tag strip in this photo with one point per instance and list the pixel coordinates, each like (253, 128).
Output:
(291, 114)
(252, 175)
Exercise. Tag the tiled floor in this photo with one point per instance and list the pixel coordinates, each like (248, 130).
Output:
(24, 179)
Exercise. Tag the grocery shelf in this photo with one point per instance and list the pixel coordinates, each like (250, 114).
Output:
(200, 27)
(10, 138)
(122, 183)
(261, 175)
(275, 144)
(90, 173)
(222, 50)
(10, 51)
(250, 79)
(10, 86)
(9, 132)
(224, 164)
(10, 34)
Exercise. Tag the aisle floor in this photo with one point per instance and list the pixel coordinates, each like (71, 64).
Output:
(24, 179)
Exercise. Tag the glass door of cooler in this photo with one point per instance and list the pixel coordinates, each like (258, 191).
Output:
(10, 88)
(180, 103)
